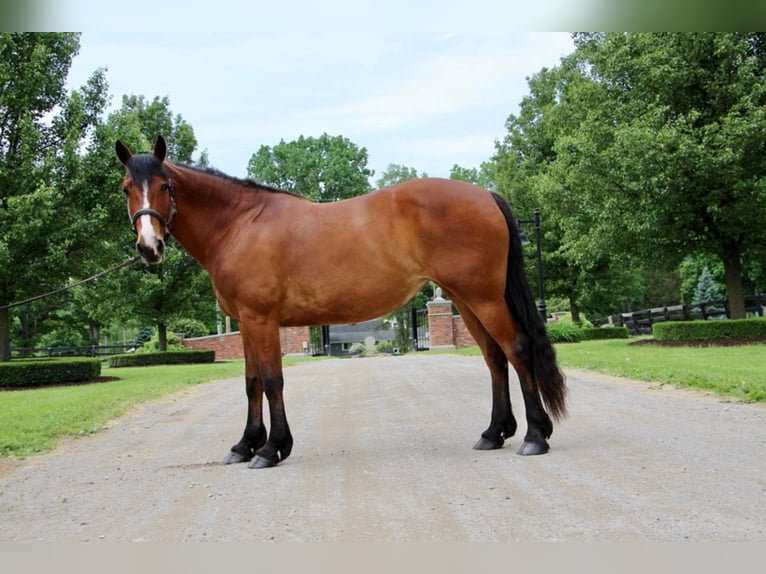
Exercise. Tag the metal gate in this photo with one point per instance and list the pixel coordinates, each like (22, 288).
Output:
(420, 336)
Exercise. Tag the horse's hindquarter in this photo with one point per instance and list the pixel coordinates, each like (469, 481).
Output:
(361, 258)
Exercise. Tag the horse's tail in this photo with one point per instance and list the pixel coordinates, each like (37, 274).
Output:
(518, 296)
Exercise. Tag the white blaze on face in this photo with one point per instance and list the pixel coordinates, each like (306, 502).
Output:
(147, 231)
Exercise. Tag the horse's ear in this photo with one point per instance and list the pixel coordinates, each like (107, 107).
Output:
(160, 148)
(122, 152)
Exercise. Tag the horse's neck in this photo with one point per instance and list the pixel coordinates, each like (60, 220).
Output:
(206, 208)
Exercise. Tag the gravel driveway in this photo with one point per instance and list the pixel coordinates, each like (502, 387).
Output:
(383, 453)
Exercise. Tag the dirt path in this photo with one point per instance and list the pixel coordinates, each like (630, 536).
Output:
(383, 453)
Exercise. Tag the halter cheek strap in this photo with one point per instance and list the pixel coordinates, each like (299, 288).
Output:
(156, 214)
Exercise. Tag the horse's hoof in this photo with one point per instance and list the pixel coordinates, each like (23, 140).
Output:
(531, 448)
(262, 462)
(487, 444)
(234, 458)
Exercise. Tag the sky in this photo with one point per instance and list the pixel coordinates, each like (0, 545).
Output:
(423, 99)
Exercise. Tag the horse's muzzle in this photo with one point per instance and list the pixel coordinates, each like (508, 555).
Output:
(152, 254)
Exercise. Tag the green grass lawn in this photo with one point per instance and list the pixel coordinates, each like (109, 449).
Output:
(32, 420)
(738, 372)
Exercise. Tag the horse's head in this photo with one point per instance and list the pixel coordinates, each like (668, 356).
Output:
(151, 204)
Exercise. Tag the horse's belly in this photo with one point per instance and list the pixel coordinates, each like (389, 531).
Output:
(337, 301)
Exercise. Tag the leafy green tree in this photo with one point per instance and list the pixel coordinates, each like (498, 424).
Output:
(580, 261)
(483, 177)
(682, 149)
(178, 288)
(327, 168)
(45, 220)
(642, 149)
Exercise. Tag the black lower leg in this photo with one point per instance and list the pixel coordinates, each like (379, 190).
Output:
(280, 442)
(539, 425)
(254, 435)
(502, 422)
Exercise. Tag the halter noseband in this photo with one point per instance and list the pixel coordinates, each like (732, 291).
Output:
(156, 214)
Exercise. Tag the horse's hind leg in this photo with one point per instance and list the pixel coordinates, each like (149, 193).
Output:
(498, 323)
(502, 423)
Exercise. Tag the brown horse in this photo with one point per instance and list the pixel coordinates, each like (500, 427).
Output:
(277, 259)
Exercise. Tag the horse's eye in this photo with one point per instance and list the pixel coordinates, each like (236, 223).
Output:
(165, 187)
(125, 190)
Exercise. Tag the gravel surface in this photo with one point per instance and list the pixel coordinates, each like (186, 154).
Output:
(383, 453)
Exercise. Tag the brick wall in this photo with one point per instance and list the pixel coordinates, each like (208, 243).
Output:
(447, 331)
(461, 335)
(440, 324)
(293, 340)
(229, 345)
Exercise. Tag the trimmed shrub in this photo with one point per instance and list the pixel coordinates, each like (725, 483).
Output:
(753, 329)
(45, 372)
(384, 347)
(598, 333)
(166, 358)
(358, 349)
(564, 332)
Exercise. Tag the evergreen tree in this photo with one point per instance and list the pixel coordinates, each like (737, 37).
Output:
(706, 289)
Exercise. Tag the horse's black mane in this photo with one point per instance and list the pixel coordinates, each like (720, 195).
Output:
(246, 183)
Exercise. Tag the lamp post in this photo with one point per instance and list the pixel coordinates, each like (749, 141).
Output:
(541, 307)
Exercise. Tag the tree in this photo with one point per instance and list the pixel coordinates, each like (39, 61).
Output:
(483, 177)
(686, 147)
(642, 149)
(45, 220)
(582, 263)
(706, 289)
(177, 288)
(327, 168)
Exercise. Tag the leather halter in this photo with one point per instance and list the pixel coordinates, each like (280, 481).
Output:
(156, 214)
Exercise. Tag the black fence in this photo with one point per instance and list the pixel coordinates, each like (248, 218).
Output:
(640, 322)
(81, 351)
(419, 325)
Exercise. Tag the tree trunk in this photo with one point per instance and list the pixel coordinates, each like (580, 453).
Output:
(162, 331)
(735, 295)
(95, 333)
(575, 310)
(5, 335)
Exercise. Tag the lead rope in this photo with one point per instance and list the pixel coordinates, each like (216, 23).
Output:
(82, 282)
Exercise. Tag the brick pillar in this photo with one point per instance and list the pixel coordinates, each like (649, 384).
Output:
(440, 323)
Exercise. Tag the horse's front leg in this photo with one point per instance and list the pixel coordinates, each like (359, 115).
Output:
(263, 339)
(254, 436)
(280, 441)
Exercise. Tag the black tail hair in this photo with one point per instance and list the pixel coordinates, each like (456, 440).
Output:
(518, 296)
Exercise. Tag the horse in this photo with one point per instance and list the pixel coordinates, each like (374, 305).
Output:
(277, 259)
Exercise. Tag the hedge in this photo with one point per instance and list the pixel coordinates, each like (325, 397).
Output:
(592, 333)
(753, 329)
(564, 332)
(45, 372)
(162, 358)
